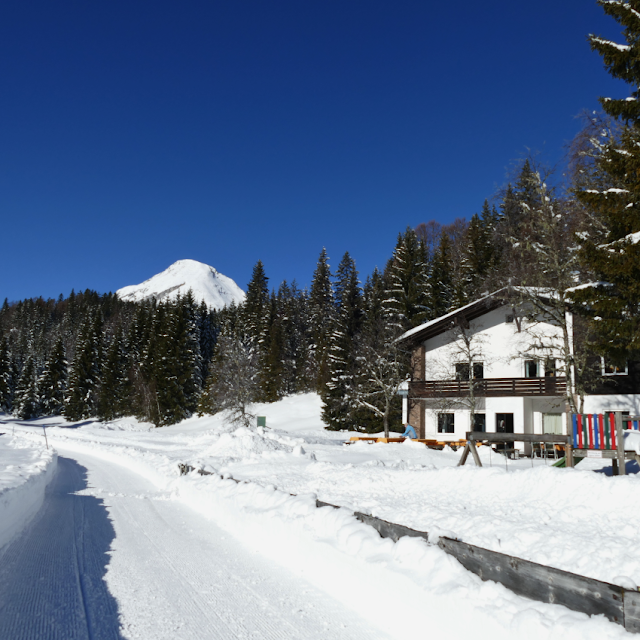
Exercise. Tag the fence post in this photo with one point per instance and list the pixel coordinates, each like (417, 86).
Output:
(569, 454)
(620, 445)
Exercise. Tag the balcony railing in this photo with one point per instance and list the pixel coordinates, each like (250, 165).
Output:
(489, 387)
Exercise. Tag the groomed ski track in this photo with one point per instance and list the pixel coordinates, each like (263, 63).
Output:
(110, 556)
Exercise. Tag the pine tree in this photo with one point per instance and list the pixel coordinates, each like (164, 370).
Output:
(6, 396)
(271, 362)
(52, 383)
(321, 317)
(84, 377)
(441, 281)
(176, 364)
(408, 281)
(26, 404)
(114, 389)
(382, 365)
(255, 312)
(346, 327)
(611, 251)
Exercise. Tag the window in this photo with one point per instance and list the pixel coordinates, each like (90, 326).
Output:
(504, 422)
(550, 369)
(609, 369)
(479, 422)
(552, 423)
(530, 369)
(462, 370)
(446, 423)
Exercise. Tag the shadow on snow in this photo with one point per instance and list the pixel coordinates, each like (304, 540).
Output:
(52, 575)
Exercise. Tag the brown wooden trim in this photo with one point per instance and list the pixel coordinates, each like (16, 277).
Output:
(489, 387)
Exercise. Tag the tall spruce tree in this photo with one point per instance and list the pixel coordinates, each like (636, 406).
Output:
(407, 278)
(321, 317)
(26, 404)
(114, 383)
(382, 364)
(84, 376)
(272, 355)
(52, 383)
(6, 397)
(346, 326)
(441, 281)
(255, 311)
(611, 250)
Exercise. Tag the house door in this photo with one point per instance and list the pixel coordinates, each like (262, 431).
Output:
(504, 422)
(552, 423)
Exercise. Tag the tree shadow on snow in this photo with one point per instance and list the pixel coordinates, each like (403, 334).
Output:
(52, 575)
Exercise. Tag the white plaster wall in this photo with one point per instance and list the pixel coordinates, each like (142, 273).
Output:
(496, 343)
(600, 404)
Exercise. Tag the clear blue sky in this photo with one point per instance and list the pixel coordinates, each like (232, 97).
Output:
(134, 134)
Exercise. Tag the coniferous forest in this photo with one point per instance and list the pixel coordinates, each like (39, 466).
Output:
(575, 232)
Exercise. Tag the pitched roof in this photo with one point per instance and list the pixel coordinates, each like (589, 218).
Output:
(470, 311)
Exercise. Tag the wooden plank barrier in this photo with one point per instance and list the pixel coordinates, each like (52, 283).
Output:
(526, 578)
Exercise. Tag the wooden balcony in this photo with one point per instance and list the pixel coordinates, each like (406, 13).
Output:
(489, 387)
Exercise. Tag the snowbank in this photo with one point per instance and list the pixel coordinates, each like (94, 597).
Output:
(26, 468)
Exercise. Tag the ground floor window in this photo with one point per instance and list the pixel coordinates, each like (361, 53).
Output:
(446, 423)
(504, 422)
(479, 422)
(552, 423)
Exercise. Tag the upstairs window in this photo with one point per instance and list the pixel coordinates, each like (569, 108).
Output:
(463, 371)
(530, 369)
(609, 369)
(446, 423)
(550, 368)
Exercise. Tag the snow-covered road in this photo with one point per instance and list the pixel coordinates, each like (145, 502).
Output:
(171, 573)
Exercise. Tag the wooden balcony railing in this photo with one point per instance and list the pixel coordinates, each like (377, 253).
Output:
(489, 387)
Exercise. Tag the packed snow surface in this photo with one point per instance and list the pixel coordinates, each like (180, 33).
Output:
(205, 283)
(173, 535)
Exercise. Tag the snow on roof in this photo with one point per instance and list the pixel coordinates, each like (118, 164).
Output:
(540, 291)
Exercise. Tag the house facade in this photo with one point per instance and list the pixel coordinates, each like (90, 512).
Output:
(496, 367)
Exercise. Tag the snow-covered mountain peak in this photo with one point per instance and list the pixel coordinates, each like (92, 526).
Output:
(205, 282)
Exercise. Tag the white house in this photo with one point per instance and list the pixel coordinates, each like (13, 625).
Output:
(504, 364)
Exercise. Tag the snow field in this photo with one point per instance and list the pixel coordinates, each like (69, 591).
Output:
(577, 520)
(403, 588)
(26, 468)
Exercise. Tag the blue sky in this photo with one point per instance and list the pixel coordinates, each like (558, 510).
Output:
(134, 134)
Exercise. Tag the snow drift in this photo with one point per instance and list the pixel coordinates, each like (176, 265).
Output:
(26, 471)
